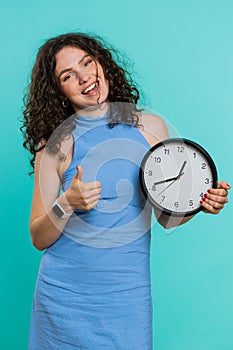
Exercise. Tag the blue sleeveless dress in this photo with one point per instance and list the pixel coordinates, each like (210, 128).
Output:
(93, 288)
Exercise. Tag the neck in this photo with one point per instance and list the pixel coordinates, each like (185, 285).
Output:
(95, 111)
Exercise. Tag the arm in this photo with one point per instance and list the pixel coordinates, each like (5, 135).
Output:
(170, 221)
(45, 226)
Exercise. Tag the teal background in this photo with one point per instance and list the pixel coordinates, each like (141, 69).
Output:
(182, 55)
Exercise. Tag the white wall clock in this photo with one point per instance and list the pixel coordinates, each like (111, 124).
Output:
(175, 174)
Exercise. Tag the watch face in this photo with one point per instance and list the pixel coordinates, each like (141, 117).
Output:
(175, 174)
(58, 211)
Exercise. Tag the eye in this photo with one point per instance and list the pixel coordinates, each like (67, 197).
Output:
(88, 62)
(67, 77)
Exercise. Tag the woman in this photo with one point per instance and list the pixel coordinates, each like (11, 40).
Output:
(93, 287)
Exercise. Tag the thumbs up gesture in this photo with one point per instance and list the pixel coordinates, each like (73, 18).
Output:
(83, 195)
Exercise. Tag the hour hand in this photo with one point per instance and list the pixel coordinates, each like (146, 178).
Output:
(172, 178)
(167, 180)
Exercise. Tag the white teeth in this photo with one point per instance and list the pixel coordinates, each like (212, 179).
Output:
(92, 86)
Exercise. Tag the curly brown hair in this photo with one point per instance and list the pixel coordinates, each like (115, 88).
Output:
(44, 111)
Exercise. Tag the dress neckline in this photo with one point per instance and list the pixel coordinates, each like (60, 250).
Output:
(92, 121)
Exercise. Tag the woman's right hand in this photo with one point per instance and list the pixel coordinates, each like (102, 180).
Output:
(82, 195)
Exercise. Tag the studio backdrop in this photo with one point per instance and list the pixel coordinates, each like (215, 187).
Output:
(181, 56)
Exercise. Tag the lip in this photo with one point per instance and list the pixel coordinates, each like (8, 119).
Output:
(94, 90)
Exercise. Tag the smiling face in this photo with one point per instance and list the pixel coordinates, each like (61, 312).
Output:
(80, 78)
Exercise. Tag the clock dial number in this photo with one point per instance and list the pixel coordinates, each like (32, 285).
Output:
(166, 151)
(207, 180)
(176, 205)
(158, 160)
(203, 166)
(191, 202)
(150, 172)
(180, 149)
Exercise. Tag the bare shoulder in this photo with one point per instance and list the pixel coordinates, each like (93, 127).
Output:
(153, 128)
(153, 121)
(55, 162)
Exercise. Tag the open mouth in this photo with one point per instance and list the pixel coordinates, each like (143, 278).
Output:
(91, 89)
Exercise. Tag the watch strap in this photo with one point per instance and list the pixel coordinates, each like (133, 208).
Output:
(59, 211)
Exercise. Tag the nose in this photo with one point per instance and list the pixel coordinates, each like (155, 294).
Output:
(83, 77)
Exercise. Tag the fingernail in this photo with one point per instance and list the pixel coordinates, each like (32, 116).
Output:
(204, 198)
(208, 191)
(205, 195)
(228, 185)
(201, 202)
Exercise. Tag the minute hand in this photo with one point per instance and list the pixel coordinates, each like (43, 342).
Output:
(181, 170)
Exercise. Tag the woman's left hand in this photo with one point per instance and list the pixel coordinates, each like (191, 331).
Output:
(214, 200)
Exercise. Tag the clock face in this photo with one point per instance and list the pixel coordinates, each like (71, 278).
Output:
(175, 174)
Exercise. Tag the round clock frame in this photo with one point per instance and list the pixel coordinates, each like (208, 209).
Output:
(177, 145)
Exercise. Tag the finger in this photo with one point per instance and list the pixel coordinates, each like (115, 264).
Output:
(214, 204)
(218, 191)
(79, 173)
(208, 208)
(91, 205)
(92, 185)
(220, 199)
(93, 199)
(91, 193)
(223, 184)
(89, 185)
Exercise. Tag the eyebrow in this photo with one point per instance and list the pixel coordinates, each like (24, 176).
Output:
(69, 69)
